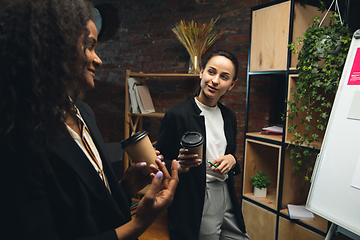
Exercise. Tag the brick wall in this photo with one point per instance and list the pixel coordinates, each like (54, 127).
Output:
(144, 42)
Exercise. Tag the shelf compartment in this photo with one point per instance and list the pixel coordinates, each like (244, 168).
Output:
(269, 38)
(277, 138)
(266, 157)
(290, 230)
(301, 115)
(270, 34)
(260, 223)
(266, 101)
(296, 189)
(319, 223)
(303, 15)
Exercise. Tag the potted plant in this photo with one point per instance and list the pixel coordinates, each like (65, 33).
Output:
(260, 181)
(318, 78)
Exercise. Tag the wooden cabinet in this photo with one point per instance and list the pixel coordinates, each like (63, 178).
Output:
(290, 230)
(256, 218)
(272, 26)
(301, 115)
(134, 122)
(262, 156)
(271, 75)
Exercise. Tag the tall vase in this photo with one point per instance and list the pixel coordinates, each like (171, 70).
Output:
(194, 64)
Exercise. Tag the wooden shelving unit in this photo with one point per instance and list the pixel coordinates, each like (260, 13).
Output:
(288, 135)
(134, 121)
(273, 27)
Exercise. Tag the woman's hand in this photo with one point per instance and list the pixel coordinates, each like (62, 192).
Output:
(224, 163)
(155, 201)
(159, 196)
(134, 180)
(187, 160)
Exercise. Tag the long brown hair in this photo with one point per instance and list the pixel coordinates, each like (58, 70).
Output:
(41, 62)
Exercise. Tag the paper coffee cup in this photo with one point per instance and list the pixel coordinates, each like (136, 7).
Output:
(140, 149)
(193, 141)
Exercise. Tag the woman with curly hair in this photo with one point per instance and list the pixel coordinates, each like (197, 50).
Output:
(58, 182)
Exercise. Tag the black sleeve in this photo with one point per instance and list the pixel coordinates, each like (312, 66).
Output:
(167, 142)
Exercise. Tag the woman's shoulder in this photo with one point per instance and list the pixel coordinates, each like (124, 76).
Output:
(180, 108)
(84, 108)
(225, 109)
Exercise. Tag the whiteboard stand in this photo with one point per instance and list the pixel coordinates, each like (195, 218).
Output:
(331, 231)
(342, 230)
(348, 233)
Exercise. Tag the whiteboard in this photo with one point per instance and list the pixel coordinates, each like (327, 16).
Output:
(335, 184)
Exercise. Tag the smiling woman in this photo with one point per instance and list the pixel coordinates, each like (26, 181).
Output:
(216, 80)
(93, 60)
(205, 190)
(59, 182)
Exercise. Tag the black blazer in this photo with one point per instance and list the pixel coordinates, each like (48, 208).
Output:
(63, 197)
(184, 214)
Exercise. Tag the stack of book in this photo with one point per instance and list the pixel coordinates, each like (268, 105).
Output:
(299, 212)
(274, 130)
(140, 97)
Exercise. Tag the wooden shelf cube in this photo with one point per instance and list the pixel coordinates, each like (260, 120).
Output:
(266, 101)
(301, 115)
(295, 190)
(260, 223)
(262, 156)
(270, 34)
(289, 230)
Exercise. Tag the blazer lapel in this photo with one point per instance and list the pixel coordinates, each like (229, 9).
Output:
(117, 194)
(68, 150)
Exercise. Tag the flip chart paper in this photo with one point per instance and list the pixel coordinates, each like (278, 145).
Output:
(354, 78)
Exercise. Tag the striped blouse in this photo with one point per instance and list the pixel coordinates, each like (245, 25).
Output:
(87, 145)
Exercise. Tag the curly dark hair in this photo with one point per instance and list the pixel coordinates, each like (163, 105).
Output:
(41, 62)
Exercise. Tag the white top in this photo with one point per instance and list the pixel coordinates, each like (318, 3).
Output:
(215, 139)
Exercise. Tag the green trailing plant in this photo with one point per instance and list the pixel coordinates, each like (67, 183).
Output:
(260, 180)
(318, 78)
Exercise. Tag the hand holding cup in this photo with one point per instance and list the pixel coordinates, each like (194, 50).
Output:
(191, 153)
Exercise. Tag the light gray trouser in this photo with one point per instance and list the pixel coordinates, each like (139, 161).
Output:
(218, 219)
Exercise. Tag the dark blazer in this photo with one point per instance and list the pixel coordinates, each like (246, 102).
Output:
(63, 197)
(184, 214)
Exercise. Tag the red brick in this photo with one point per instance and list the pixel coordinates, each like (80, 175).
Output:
(162, 27)
(130, 52)
(150, 49)
(151, 65)
(242, 4)
(164, 58)
(142, 58)
(175, 2)
(239, 38)
(130, 37)
(217, 5)
(162, 42)
(139, 43)
(139, 29)
(163, 11)
(152, 20)
(259, 116)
